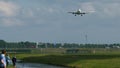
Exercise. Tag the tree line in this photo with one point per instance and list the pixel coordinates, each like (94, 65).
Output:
(27, 44)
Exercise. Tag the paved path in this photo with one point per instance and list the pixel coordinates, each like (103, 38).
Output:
(33, 65)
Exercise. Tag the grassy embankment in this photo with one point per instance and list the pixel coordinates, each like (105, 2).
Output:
(77, 61)
(98, 60)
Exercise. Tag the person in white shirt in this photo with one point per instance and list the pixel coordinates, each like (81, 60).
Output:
(3, 59)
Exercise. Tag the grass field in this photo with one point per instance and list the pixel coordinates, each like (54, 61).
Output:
(76, 61)
(97, 60)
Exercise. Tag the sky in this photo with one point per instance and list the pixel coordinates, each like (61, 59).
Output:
(49, 21)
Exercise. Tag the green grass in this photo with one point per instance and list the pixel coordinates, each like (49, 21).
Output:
(77, 61)
(10, 66)
(101, 59)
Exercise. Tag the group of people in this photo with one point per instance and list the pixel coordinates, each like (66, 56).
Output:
(5, 60)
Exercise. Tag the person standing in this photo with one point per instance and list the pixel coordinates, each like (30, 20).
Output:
(7, 59)
(14, 61)
(3, 59)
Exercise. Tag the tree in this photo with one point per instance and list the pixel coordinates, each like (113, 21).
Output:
(2, 44)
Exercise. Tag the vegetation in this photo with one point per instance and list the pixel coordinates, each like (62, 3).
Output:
(86, 55)
(10, 66)
(27, 44)
(75, 60)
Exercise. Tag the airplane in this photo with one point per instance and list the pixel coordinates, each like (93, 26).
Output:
(78, 12)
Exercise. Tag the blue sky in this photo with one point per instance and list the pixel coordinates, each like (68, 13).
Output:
(48, 21)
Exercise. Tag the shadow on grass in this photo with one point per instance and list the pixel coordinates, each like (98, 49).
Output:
(64, 60)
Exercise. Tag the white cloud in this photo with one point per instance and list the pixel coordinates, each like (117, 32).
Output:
(88, 6)
(112, 9)
(8, 13)
(8, 8)
(7, 22)
(51, 10)
(27, 13)
(102, 9)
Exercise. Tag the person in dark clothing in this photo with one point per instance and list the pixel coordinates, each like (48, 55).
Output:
(14, 61)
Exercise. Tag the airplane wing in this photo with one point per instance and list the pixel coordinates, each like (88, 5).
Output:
(84, 13)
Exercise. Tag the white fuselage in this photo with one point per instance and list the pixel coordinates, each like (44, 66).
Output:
(78, 12)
